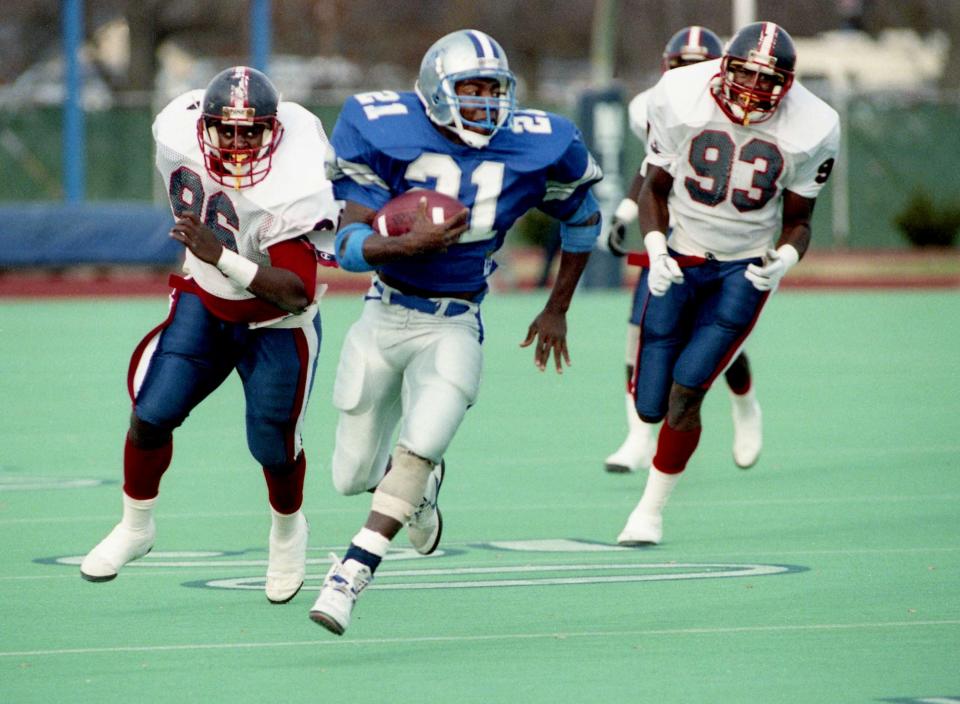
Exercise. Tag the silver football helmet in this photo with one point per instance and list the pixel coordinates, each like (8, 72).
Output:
(462, 55)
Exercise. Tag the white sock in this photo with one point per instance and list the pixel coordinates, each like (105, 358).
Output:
(137, 512)
(657, 491)
(284, 524)
(743, 401)
(372, 542)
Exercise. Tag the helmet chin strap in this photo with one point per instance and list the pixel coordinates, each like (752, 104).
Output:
(470, 138)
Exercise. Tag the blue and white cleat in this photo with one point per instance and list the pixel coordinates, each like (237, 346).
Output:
(341, 587)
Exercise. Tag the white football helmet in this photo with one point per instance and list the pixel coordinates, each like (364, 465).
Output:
(459, 56)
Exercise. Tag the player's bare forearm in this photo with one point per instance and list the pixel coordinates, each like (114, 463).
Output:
(797, 212)
(652, 201)
(571, 269)
(549, 329)
(633, 193)
(281, 287)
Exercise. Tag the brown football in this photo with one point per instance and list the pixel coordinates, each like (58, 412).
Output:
(397, 215)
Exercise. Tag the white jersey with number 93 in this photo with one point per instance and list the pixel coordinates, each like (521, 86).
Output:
(729, 179)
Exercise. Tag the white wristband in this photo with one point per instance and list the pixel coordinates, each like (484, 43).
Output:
(655, 243)
(627, 211)
(238, 269)
(788, 255)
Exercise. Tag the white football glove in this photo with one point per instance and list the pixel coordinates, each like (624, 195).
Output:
(776, 264)
(614, 236)
(664, 270)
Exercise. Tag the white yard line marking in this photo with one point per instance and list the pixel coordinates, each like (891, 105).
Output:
(480, 638)
(507, 508)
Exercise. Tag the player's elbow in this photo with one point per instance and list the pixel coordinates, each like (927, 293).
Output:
(592, 219)
(292, 303)
(293, 296)
(299, 303)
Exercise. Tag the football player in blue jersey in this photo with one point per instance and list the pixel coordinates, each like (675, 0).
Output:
(414, 357)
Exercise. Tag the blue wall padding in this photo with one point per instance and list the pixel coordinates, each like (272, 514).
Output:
(63, 234)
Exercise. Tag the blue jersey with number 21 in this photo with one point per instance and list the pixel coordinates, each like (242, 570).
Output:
(386, 145)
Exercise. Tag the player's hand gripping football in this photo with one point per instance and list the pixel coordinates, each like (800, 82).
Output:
(425, 236)
(197, 237)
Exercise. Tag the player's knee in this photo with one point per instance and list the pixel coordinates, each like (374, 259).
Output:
(402, 488)
(351, 471)
(268, 446)
(650, 408)
(146, 435)
(686, 398)
(349, 484)
(685, 405)
(280, 470)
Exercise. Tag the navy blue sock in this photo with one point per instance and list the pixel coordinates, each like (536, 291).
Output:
(363, 557)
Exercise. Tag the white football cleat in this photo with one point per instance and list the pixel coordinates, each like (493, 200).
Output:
(122, 545)
(634, 454)
(747, 430)
(287, 561)
(638, 448)
(339, 593)
(642, 528)
(426, 524)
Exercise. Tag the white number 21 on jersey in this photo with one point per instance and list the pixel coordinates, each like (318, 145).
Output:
(487, 177)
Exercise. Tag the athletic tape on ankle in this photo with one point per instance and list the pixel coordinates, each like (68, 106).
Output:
(372, 542)
(388, 505)
(402, 488)
(238, 269)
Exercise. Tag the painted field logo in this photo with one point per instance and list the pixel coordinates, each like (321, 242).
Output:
(535, 563)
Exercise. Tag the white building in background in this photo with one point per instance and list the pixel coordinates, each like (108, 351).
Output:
(897, 60)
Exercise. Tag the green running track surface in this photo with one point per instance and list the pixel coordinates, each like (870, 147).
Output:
(830, 572)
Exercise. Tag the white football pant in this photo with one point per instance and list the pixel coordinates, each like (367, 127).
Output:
(401, 366)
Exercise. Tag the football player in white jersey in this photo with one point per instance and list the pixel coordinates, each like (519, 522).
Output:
(689, 45)
(736, 155)
(247, 188)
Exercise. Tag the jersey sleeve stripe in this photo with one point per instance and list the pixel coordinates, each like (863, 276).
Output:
(561, 191)
(361, 174)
